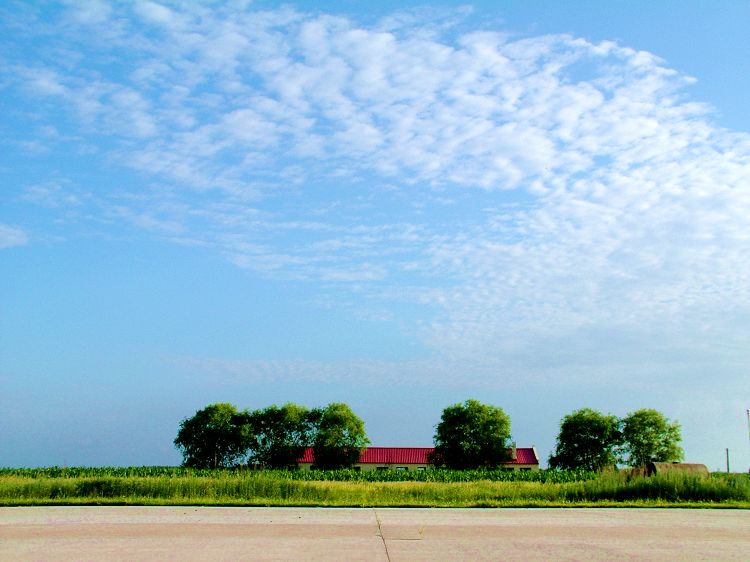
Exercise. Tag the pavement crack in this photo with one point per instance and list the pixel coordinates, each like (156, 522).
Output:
(380, 534)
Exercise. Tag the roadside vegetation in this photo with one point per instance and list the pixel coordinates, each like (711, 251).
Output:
(469, 436)
(221, 436)
(591, 440)
(249, 458)
(341, 475)
(431, 488)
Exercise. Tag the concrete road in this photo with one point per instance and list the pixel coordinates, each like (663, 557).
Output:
(186, 533)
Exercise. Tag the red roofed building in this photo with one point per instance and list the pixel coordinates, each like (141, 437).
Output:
(415, 458)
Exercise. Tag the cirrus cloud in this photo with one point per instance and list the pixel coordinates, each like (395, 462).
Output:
(11, 236)
(519, 187)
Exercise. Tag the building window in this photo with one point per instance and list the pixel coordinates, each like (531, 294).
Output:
(421, 468)
(402, 468)
(381, 468)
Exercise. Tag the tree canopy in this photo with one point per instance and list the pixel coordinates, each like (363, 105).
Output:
(648, 436)
(471, 435)
(587, 441)
(279, 435)
(274, 437)
(214, 437)
(339, 436)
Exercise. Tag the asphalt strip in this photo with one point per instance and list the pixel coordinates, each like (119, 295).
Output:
(221, 533)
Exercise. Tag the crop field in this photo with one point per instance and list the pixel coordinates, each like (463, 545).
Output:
(431, 488)
(344, 475)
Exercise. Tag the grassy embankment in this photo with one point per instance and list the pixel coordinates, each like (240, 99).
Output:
(438, 488)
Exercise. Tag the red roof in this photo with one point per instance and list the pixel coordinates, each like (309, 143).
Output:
(395, 455)
(525, 455)
(415, 455)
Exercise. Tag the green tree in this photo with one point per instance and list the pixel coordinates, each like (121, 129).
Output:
(279, 435)
(472, 435)
(648, 436)
(339, 436)
(215, 436)
(587, 440)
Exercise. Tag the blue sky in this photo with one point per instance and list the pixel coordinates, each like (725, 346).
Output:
(541, 205)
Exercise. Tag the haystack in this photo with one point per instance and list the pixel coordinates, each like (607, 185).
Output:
(653, 468)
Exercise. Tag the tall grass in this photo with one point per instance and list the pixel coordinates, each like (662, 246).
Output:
(276, 488)
(668, 487)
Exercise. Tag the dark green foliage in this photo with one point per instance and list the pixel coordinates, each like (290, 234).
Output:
(671, 487)
(279, 435)
(115, 471)
(219, 436)
(648, 436)
(216, 436)
(587, 441)
(444, 475)
(340, 475)
(472, 435)
(339, 436)
(436, 487)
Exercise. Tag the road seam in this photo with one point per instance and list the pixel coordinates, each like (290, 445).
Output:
(380, 534)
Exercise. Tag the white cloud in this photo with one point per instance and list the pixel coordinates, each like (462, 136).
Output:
(275, 132)
(11, 236)
(52, 194)
(92, 11)
(375, 372)
(44, 81)
(153, 12)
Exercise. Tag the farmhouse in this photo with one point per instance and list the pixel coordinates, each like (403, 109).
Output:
(415, 458)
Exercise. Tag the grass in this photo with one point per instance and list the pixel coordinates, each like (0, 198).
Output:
(177, 486)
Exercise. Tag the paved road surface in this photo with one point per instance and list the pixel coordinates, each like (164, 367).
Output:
(186, 533)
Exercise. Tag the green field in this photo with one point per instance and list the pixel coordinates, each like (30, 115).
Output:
(432, 488)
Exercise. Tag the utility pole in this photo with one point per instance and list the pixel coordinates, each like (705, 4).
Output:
(727, 460)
